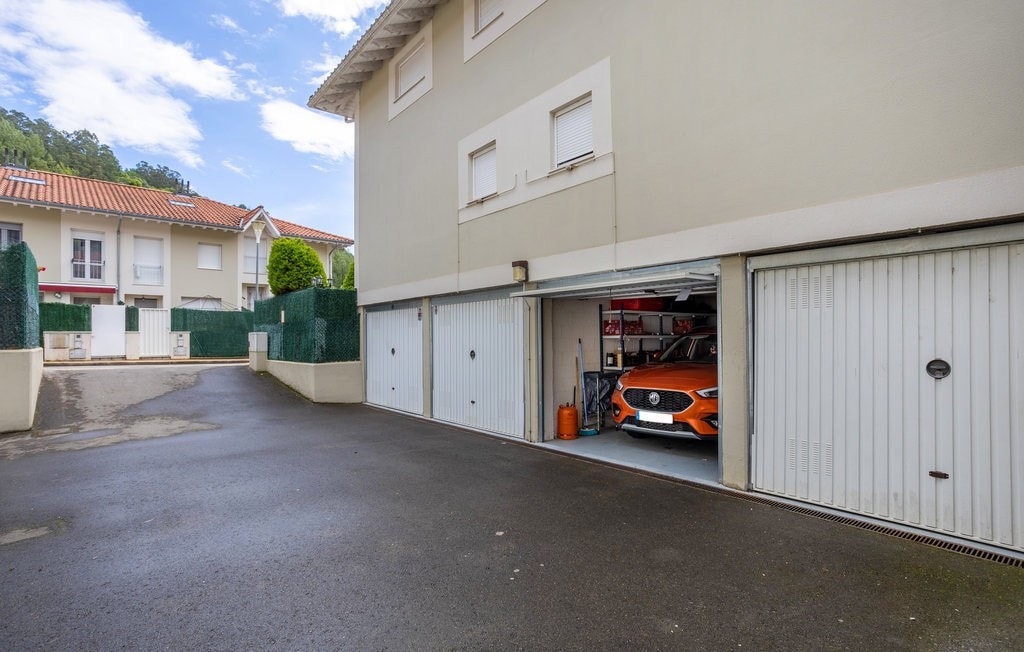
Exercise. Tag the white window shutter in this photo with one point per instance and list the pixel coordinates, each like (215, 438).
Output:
(411, 69)
(486, 11)
(574, 133)
(485, 173)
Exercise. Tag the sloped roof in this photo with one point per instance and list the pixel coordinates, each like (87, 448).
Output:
(400, 20)
(38, 188)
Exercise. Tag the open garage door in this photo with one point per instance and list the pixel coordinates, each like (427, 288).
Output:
(893, 387)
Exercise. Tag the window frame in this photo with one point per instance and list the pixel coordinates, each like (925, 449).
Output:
(141, 271)
(6, 228)
(492, 190)
(419, 53)
(558, 116)
(91, 269)
(220, 256)
(482, 21)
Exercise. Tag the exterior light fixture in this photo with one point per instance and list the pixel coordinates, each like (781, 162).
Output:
(520, 271)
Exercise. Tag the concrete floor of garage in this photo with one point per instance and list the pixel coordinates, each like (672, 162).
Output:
(207, 507)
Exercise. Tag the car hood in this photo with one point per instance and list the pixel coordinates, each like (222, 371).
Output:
(672, 375)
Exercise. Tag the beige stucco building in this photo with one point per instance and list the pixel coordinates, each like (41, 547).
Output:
(104, 243)
(837, 187)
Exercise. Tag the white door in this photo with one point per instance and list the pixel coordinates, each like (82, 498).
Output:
(154, 333)
(478, 365)
(894, 387)
(107, 331)
(394, 359)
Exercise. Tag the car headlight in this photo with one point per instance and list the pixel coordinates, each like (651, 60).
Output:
(710, 392)
(618, 385)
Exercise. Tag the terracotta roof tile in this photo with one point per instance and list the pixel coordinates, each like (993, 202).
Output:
(64, 191)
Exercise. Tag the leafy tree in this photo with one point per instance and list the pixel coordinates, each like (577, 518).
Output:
(291, 265)
(79, 153)
(350, 278)
(158, 176)
(341, 260)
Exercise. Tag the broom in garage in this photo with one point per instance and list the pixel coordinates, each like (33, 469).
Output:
(586, 429)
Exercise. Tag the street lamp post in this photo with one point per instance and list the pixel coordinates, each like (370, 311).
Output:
(257, 228)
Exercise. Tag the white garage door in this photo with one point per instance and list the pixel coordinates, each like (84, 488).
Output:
(851, 409)
(394, 359)
(478, 365)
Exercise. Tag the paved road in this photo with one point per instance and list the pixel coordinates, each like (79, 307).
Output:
(211, 508)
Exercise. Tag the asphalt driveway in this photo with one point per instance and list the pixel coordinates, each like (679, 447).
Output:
(200, 507)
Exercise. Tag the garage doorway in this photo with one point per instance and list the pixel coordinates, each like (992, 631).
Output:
(613, 328)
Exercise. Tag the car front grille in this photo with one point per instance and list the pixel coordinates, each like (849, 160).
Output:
(675, 426)
(640, 399)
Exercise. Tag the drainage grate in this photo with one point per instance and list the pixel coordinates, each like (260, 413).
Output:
(964, 548)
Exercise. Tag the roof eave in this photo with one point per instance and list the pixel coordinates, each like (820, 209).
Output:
(339, 92)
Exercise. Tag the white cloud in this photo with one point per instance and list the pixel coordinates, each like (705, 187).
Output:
(322, 68)
(237, 169)
(307, 130)
(258, 89)
(99, 66)
(335, 15)
(227, 22)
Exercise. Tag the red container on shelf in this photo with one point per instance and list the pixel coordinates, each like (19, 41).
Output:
(648, 303)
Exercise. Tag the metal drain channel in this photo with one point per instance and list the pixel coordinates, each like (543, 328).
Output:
(963, 548)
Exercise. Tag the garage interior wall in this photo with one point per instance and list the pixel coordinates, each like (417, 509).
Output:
(566, 321)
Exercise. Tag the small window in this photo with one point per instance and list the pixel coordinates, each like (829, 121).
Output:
(411, 70)
(87, 256)
(487, 11)
(148, 267)
(10, 234)
(573, 132)
(484, 172)
(209, 256)
(146, 302)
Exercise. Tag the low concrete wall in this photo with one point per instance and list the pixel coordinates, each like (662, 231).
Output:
(21, 372)
(67, 345)
(326, 382)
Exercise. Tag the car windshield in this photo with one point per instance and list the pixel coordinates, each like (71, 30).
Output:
(692, 348)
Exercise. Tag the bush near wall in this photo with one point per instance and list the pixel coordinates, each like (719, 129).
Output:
(19, 298)
(320, 325)
(214, 333)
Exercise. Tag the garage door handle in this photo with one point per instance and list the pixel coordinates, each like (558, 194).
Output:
(941, 475)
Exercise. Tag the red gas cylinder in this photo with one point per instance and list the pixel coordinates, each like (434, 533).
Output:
(568, 422)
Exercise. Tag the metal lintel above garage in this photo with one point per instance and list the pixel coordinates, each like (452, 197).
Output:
(699, 278)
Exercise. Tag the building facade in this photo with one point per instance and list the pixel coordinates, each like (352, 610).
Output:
(838, 188)
(105, 243)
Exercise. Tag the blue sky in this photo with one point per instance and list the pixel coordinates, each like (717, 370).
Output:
(215, 89)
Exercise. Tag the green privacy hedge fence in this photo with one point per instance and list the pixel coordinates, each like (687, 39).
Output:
(19, 298)
(320, 325)
(214, 333)
(56, 317)
(131, 319)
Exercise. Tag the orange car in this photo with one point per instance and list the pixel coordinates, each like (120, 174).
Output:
(674, 396)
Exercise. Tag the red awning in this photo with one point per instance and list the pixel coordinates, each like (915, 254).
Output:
(67, 287)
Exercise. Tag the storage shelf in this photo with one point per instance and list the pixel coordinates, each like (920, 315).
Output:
(649, 320)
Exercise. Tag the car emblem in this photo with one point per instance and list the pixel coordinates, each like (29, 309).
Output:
(653, 398)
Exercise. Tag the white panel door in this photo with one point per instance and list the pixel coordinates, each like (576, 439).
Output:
(394, 359)
(478, 365)
(107, 331)
(154, 333)
(848, 412)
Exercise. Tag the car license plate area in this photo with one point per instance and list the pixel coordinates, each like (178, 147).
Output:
(653, 417)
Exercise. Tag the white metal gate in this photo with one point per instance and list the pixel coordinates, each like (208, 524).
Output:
(107, 331)
(478, 365)
(154, 333)
(394, 359)
(851, 408)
